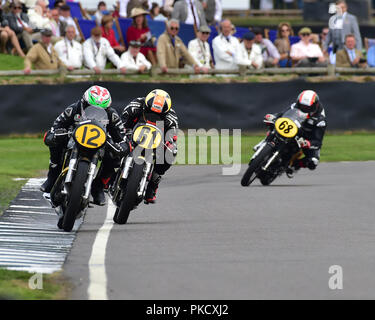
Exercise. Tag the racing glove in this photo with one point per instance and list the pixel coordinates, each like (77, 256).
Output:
(172, 145)
(304, 143)
(269, 119)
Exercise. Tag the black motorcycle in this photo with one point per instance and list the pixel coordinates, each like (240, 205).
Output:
(71, 191)
(277, 153)
(129, 186)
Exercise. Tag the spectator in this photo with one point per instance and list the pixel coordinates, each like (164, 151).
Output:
(109, 34)
(126, 6)
(350, 56)
(168, 7)
(340, 25)
(139, 31)
(42, 55)
(250, 54)
(171, 49)
(65, 17)
(96, 50)
(58, 3)
(189, 12)
(199, 49)
(323, 37)
(6, 34)
(307, 54)
(213, 10)
(58, 27)
(19, 23)
(32, 3)
(282, 44)
(70, 50)
(271, 56)
(133, 59)
(102, 10)
(155, 13)
(225, 47)
(39, 18)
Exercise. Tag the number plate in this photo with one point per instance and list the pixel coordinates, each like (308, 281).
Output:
(90, 136)
(148, 137)
(286, 127)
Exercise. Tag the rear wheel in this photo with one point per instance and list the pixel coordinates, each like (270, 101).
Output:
(74, 205)
(130, 198)
(254, 166)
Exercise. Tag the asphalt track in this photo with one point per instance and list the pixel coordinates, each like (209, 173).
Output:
(210, 238)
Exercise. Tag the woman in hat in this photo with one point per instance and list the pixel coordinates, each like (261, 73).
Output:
(139, 31)
(109, 34)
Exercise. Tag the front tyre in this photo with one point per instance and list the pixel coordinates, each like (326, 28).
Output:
(74, 205)
(254, 166)
(130, 198)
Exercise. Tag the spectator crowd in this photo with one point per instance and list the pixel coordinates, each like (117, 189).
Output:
(50, 39)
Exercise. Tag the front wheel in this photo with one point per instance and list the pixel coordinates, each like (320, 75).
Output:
(252, 171)
(130, 198)
(74, 205)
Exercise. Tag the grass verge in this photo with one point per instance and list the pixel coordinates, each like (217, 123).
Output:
(14, 285)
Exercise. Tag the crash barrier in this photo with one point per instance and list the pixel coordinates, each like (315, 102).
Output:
(32, 108)
(241, 71)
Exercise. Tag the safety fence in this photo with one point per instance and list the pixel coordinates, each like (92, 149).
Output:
(241, 71)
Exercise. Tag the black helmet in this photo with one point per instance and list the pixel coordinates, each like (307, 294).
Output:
(308, 102)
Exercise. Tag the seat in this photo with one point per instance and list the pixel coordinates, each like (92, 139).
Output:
(85, 27)
(75, 9)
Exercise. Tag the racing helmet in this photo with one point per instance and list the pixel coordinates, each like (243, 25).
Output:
(158, 101)
(308, 102)
(97, 96)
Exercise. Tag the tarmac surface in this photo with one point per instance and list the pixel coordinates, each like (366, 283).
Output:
(209, 238)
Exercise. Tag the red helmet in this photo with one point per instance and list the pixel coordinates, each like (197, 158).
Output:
(308, 102)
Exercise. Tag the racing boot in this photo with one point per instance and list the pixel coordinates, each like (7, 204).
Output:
(152, 188)
(53, 173)
(97, 192)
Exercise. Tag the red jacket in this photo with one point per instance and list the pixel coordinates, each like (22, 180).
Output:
(110, 36)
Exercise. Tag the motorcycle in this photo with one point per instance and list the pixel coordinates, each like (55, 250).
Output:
(71, 191)
(277, 153)
(129, 185)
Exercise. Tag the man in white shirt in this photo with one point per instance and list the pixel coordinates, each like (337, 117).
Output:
(199, 49)
(133, 59)
(307, 54)
(97, 49)
(69, 50)
(38, 16)
(225, 47)
(65, 16)
(250, 54)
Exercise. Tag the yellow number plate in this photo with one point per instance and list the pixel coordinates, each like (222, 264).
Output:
(90, 136)
(147, 137)
(286, 127)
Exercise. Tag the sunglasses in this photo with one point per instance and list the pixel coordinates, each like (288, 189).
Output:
(17, 7)
(284, 30)
(324, 33)
(305, 34)
(205, 33)
(175, 28)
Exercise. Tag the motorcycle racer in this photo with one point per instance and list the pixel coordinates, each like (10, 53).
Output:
(313, 128)
(157, 102)
(56, 138)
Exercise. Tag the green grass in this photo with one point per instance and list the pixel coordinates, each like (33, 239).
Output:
(19, 158)
(15, 285)
(9, 62)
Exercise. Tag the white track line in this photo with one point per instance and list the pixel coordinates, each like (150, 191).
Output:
(97, 289)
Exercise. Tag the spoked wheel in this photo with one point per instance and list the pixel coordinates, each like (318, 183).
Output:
(75, 196)
(254, 166)
(130, 198)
